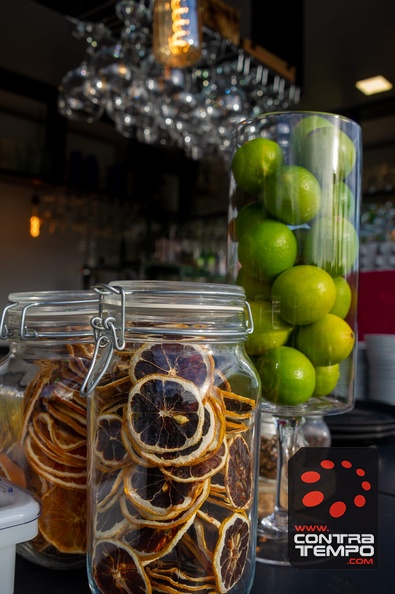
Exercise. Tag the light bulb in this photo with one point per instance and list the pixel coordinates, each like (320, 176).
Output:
(177, 32)
(35, 224)
(35, 221)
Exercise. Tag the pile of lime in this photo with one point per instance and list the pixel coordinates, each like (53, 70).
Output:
(297, 247)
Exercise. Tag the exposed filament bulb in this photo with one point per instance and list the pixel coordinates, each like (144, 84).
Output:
(177, 32)
(179, 39)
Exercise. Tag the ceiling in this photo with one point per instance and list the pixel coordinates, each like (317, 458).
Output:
(340, 42)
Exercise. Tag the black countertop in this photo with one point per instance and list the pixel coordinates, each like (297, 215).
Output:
(269, 579)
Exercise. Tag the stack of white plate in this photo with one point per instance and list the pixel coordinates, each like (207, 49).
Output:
(380, 354)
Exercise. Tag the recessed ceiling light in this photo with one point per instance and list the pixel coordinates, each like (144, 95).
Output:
(376, 84)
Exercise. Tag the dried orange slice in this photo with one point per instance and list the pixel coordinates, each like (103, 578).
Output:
(179, 579)
(49, 452)
(164, 414)
(199, 559)
(75, 421)
(231, 550)
(200, 470)
(116, 391)
(133, 453)
(110, 522)
(194, 453)
(234, 404)
(33, 392)
(154, 493)
(117, 569)
(12, 471)
(108, 447)
(152, 543)
(63, 519)
(134, 517)
(176, 359)
(59, 474)
(107, 487)
(59, 437)
(236, 427)
(238, 473)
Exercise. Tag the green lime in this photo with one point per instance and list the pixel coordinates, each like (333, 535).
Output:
(328, 341)
(303, 127)
(326, 379)
(293, 195)
(287, 376)
(267, 249)
(332, 244)
(269, 330)
(255, 289)
(249, 215)
(337, 200)
(303, 294)
(328, 153)
(342, 304)
(254, 161)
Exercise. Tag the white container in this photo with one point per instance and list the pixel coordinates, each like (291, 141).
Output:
(19, 513)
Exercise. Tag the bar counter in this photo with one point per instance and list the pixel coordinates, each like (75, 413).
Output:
(269, 579)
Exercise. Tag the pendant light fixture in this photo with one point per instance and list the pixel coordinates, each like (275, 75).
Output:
(177, 32)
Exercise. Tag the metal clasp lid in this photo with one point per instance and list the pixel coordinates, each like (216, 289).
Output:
(106, 337)
(110, 333)
(4, 332)
(25, 333)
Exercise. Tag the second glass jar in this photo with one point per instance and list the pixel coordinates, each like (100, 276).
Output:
(174, 428)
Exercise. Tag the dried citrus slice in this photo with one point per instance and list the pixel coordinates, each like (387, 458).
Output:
(74, 420)
(80, 357)
(200, 470)
(107, 487)
(239, 406)
(108, 447)
(133, 453)
(199, 558)
(33, 392)
(60, 437)
(194, 453)
(151, 543)
(67, 391)
(134, 517)
(110, 522)
(172, 586)
(12, 471)
(117, 569)
(231, 550)
(116, 391)
(176, 359)
(236, 427)
(54, 472)
(49, 452)
(179, 579)
(63, 519)
(238, 473)
(152, 491)
(164, 414)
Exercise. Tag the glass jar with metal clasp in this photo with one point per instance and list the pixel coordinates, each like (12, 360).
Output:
(174, 412)
(43, 416)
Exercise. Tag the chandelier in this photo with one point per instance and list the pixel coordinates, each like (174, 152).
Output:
(193, 107)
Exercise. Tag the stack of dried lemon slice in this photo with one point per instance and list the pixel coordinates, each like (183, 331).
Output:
(52, 450)
(171, 474)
